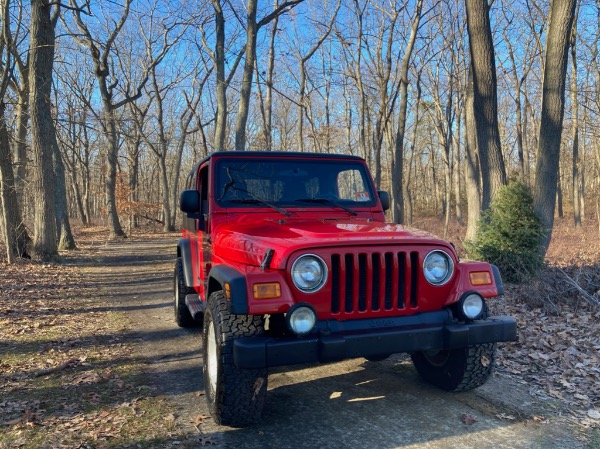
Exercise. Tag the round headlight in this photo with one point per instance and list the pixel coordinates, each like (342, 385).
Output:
(472, 306)
(301, 319)
(309, 273)
(438, 267)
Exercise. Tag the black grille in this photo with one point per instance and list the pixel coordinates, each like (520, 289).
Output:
(374, 281)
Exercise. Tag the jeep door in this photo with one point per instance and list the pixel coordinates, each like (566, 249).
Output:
(197, 230)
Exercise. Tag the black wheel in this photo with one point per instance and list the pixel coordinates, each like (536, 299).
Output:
(456, 369)
(235, 396)
(183, 317)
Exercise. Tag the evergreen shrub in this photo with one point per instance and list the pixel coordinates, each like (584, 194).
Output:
(510, 235)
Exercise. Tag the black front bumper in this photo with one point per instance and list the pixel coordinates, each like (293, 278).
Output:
(338, 340)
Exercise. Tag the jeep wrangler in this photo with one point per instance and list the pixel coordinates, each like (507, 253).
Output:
(286, 258)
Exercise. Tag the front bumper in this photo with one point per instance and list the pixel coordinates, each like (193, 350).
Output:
(337, 340)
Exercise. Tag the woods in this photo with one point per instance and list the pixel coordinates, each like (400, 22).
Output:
(104, 106)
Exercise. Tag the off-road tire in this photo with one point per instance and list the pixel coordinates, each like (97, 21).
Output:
(235, 396)
(183, 317)
(457, 369)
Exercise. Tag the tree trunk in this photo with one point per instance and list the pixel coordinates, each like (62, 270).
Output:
(168, 226)
(553, 103)
(575, 131)
(244, 104)
(559, 196)
(526, 146)
(269, 95)
(485, 100)
(43, 135)
(8, 197)
(398, 158)
(63, 225)
(457, 174)
(472, 173)
(301, 106)
(112, 154)
(221, 88)
(22, 122)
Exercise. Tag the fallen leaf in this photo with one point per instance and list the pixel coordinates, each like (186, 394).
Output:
(13, 422)
(88, 377)
(199, 418)
(594, 414)
(505, 416)
(468, 419)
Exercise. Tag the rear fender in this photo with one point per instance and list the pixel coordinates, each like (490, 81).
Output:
(184, 251)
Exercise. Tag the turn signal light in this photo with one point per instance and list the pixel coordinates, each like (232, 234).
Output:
(266, 291)
(480, 278)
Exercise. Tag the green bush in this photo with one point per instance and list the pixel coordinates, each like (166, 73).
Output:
(510, 234)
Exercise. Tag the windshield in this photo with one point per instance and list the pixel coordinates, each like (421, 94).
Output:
(288, 183)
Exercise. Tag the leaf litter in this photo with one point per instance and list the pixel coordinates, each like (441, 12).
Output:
(60, 339)
(68, 378)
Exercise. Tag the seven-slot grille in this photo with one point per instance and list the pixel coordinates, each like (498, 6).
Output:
(374, 281)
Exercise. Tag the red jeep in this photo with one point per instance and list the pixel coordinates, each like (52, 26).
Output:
(287, 259)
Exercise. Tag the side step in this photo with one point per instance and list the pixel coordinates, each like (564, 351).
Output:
(195, 305)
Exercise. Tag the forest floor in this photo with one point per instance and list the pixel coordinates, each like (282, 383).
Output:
(86, 361)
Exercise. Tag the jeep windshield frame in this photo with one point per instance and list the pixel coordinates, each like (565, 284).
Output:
(283, 183)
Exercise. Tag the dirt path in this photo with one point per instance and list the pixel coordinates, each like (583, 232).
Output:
(343, 405)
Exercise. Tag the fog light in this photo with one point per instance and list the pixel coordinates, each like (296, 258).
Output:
(301, 319)
(472, 306)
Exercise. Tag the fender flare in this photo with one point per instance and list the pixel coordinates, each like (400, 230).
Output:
(498, 280)
(184, 251)
(220, 275)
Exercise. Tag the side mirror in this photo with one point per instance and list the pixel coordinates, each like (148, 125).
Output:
(384, 197)
(189, 201)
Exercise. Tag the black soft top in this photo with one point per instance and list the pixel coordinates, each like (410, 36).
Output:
(286, 154)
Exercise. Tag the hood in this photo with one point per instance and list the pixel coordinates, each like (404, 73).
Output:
(247, 240)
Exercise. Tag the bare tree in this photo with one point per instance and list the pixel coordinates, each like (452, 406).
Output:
(252, 27)
(562, 14)
(266, 105)
(44, 15)
(159, 91)
(518, 80)
(481, 45)
(303, 61)
(576, 162)
(472, 172)
(14, 232)
(75, 125)
(219, 56)
(397, 165)
(101, 53)
(20, 85)
(383, 62)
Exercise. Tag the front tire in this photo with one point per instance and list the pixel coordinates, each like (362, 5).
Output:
(183, 317)
(235, 396)
(456, 369)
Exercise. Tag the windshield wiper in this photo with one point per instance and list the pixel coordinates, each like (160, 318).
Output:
(252, 200)
(327, 201)
(255, 200)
